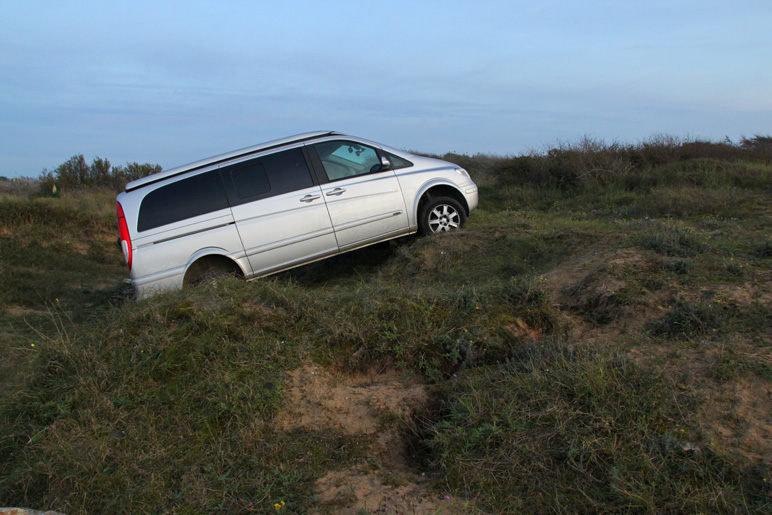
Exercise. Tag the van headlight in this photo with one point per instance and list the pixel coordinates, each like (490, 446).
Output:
(461, 171)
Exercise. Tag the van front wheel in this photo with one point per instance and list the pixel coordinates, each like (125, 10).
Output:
(441, 214)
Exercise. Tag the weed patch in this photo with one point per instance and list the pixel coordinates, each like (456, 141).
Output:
(154, 402)
(684, 320)
(711, 318)
(672, 240)
(58, 249)
(763, 250)
(563, 429)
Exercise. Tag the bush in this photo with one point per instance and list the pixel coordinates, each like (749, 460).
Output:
(762, 144)
(75, 173)
(672, 240)
(19, 186)
(660, 160)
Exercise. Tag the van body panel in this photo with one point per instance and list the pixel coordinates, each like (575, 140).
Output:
(162, 254)
(364, 202)
(415, 185)
(277, 230)
(159, 282)
(363, 208)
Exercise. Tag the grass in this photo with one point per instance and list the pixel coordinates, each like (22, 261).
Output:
(572, 340)
(58, 249)
(568, 430)
(162, 394)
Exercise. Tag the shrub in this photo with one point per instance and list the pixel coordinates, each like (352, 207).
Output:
(673, 241)
(19, 186)
(763, 250)
(75, 173)
(660, 160)
(762, 144)
(480, 166)
(687, 320)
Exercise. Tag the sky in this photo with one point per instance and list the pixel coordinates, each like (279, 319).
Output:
(168, 82)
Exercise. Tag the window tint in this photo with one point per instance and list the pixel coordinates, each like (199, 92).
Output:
(183, 199)
(343, 159)
(397, 162)
(267, 176)
(250, 180)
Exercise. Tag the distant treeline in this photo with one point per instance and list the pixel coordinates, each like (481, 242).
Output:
(75, 173)
(566, 165)
(590, 161)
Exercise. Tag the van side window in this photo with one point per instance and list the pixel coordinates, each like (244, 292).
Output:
(397, 162)
(250, 180)
(343, 159)
(267, 176)
(183, 199)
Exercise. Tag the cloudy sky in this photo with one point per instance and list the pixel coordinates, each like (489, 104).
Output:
(171, 82)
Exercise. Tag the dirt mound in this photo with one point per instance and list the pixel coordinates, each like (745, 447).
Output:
(602, 295)
(371, 405)
(352, 492)
(610, 297)
(354, 405)
(746, 424)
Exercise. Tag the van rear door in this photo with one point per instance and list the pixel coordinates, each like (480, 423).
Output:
(174, 222)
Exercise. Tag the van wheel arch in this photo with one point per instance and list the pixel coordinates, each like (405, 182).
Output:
(209, 267)
(439, 192)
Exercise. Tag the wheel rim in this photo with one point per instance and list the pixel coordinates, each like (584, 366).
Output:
(444, 218)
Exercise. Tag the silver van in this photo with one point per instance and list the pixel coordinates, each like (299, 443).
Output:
(281, 204)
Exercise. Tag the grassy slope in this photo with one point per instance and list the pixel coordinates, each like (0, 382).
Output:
(596, 340)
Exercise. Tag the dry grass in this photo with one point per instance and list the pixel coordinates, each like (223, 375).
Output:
(596, 340)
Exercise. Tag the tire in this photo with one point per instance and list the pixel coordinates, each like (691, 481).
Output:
(441, 214)
(208, 271)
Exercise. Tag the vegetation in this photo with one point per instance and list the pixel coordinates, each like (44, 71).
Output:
(597, 339)
(75, 174)
(567, 430)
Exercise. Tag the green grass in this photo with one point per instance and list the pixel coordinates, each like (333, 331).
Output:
(58, 249)
(158, 398)
(572, 339)
(564, 429)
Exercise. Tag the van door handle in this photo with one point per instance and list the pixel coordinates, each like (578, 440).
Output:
(336, 191)
(310, 198)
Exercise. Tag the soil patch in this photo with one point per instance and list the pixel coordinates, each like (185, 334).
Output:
(371, 404)
(738, 417)
(354, 405)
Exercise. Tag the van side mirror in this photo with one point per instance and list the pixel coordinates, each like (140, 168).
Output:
(385, 164)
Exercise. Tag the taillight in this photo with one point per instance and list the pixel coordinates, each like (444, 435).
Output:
(123, 229)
